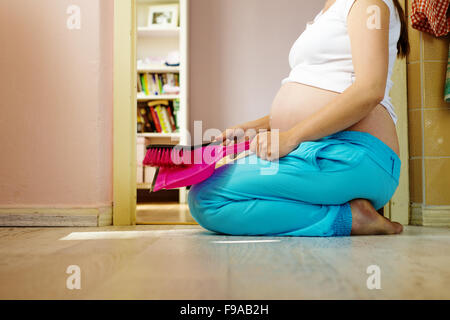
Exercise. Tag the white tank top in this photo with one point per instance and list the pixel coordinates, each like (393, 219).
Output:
(321, 56)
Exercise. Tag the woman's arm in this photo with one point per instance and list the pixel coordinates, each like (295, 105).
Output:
(370, 54)
(250, 129)
(259, 124)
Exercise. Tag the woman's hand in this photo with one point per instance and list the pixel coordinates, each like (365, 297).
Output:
(247, 130)
(236, 134)
(271, 146)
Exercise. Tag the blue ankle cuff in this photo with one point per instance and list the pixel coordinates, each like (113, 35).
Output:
(343, 224)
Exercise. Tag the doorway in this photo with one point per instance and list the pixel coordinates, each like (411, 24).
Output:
(150, 81)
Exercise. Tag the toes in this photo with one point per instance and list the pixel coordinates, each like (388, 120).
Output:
(398, 227)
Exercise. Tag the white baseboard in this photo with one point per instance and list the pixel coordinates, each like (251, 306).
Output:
(431, 216)
(56, 217)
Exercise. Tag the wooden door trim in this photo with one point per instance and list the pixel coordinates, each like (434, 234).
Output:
(398, 208)
(124, 113)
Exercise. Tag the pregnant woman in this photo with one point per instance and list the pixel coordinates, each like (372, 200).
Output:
(337, 153)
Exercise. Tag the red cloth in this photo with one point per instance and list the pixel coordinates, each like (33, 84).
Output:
(431, 16)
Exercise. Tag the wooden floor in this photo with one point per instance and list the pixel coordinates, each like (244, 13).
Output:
(186, 262)
(169, 213)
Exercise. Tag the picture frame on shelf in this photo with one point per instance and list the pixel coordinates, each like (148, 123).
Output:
(163, 16)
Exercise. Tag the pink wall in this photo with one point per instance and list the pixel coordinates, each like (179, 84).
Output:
(56, 87)
(239, 55)
(56, 104)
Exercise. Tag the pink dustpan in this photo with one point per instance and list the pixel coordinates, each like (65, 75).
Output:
(186, 175)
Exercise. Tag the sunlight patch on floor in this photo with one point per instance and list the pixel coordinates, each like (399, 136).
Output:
(246, 241)
(109, 235)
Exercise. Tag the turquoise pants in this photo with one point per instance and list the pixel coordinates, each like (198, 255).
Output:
(305, 193)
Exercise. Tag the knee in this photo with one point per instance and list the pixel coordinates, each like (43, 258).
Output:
(203, 206)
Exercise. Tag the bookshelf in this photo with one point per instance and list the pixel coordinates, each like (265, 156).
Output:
(154, 44)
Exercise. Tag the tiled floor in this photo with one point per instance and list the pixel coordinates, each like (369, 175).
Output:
(187, 262)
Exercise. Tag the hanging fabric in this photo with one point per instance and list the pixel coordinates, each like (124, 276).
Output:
(431, 16)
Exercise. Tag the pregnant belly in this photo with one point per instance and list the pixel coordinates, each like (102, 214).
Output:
(295, 102)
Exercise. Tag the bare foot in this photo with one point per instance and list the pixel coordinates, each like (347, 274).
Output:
(366, 220)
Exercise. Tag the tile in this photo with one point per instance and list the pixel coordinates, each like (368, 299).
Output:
(435, 48)
(415, 180)
(434, 84)
(415, 133)
(437, 181)
(414, 86)
(414, 42)
(437, 132)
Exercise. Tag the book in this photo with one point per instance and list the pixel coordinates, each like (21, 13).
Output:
(149, 81)
(165, 80)
(155, 119)
(159, 84)
(155, 103)
(145, 119)
(150, 119)
(175, 111)
(171, 79)
(141, 150)
(144, 83)
(161, 119)
(139, 84)
(155, 84)
(140, 122)
(166, 119)
(171, 119)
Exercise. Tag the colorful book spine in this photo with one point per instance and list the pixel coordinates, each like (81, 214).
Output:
(155, 120)
(175, 111)
(149, 80)
(166, 119)
(144, 83)
(161, 119)
(171, 119)
(150, 120)
(159, 83)
(140, 122)
(154, 84)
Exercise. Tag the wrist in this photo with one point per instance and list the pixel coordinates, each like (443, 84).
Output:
(260, 124)
(294, 137)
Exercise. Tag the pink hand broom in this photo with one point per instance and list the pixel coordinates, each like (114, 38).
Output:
(181, 166)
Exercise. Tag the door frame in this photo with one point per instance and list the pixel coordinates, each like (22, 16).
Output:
(124, 123)
(398, 208)
(124, 114)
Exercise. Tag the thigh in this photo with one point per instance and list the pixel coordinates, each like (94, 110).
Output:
(319, 172)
